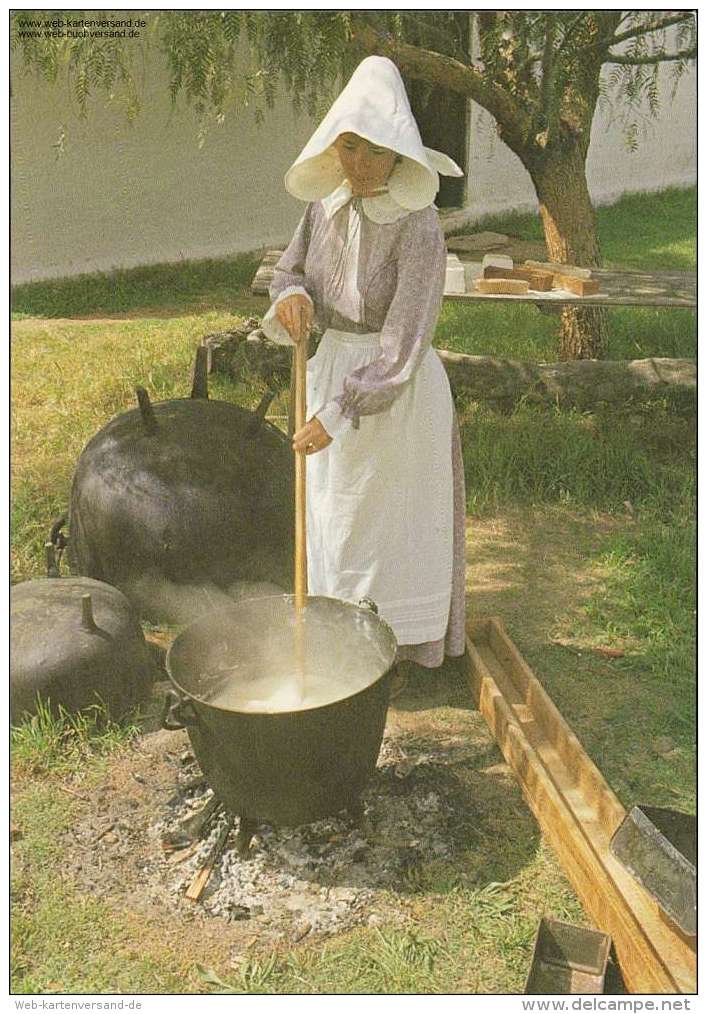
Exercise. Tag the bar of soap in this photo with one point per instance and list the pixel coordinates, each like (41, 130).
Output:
(559, 269)
(497, 261)
(454, 280)
(578, 286)
(502, 286)
(472, 271)
(540, 281)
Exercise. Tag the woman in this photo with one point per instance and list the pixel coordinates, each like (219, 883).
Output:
(385, 488)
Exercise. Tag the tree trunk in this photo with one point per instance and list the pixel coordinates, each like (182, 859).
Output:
(571, 237)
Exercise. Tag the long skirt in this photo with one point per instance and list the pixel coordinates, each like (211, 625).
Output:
(384, 503)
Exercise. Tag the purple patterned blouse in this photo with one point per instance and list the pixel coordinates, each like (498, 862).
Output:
(400, 281)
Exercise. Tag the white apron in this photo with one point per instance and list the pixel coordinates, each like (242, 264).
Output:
(380, 498)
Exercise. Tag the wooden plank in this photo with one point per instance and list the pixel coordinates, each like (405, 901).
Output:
(591, 781)
(263, 276)
(560, 269)
(576, 810)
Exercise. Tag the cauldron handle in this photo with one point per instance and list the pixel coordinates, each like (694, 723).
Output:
(177, 712)
(366, 603)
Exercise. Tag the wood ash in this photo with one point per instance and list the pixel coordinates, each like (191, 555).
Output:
(329, 875)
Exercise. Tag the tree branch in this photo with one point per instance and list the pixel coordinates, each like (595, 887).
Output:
(445, 71)
(633, 33)
(550, 106)
(637, 61)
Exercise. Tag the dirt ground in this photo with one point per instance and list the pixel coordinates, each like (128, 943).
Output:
(528, 568)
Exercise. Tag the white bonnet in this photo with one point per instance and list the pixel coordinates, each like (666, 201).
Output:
(374, 105)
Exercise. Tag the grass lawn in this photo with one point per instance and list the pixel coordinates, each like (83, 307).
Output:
(581, 536)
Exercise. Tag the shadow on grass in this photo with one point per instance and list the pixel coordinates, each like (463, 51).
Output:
(565, 586)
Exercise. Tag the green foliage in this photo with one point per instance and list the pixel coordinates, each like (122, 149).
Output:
(539, 74)
(254, 976)
(649, 599)
(547, 62)
(597, 460)
(391, 961)
(66, 940)
(159, 286)
(57, 741)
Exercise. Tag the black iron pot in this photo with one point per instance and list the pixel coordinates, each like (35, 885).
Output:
(185, 495)
(75, 643)
(286, 768)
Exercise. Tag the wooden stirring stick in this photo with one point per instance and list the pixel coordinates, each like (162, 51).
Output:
(299, 367)
(299, 364)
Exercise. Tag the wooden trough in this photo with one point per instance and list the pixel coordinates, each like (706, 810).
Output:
(577, 812)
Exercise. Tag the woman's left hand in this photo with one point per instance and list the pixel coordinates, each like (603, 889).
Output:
(311, 438)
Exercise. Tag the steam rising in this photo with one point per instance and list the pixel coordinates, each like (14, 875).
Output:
(184, 603)
(261, 656)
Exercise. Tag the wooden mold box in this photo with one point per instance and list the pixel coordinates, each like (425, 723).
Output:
(577, 812)
(568, 959)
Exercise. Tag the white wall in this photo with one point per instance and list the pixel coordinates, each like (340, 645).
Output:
(126, 195)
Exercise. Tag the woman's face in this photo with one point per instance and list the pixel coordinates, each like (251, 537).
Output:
(366, 166)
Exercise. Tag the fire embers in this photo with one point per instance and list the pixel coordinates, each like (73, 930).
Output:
(328, 876)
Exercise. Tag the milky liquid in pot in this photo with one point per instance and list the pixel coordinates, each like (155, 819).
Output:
(290, 668)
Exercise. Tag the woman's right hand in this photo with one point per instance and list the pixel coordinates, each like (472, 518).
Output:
(296, 315)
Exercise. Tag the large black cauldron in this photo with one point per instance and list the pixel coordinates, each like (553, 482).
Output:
(181, 495)
(288, 768)
(75, 643)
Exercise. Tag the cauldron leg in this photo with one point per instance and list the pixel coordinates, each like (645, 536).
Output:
(246, 830)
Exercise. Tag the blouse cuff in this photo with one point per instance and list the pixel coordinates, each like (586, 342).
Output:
(333, 419)
(271, 326)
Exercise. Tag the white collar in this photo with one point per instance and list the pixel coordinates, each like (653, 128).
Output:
(381, 209)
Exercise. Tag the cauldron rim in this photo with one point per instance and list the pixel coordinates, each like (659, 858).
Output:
(269, 715)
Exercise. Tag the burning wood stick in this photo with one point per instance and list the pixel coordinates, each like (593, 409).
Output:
(203, 875)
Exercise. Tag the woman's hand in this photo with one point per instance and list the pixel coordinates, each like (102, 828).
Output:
(295, 314)
(311, 438)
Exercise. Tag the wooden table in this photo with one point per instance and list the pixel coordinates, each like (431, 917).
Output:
(618, 288)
